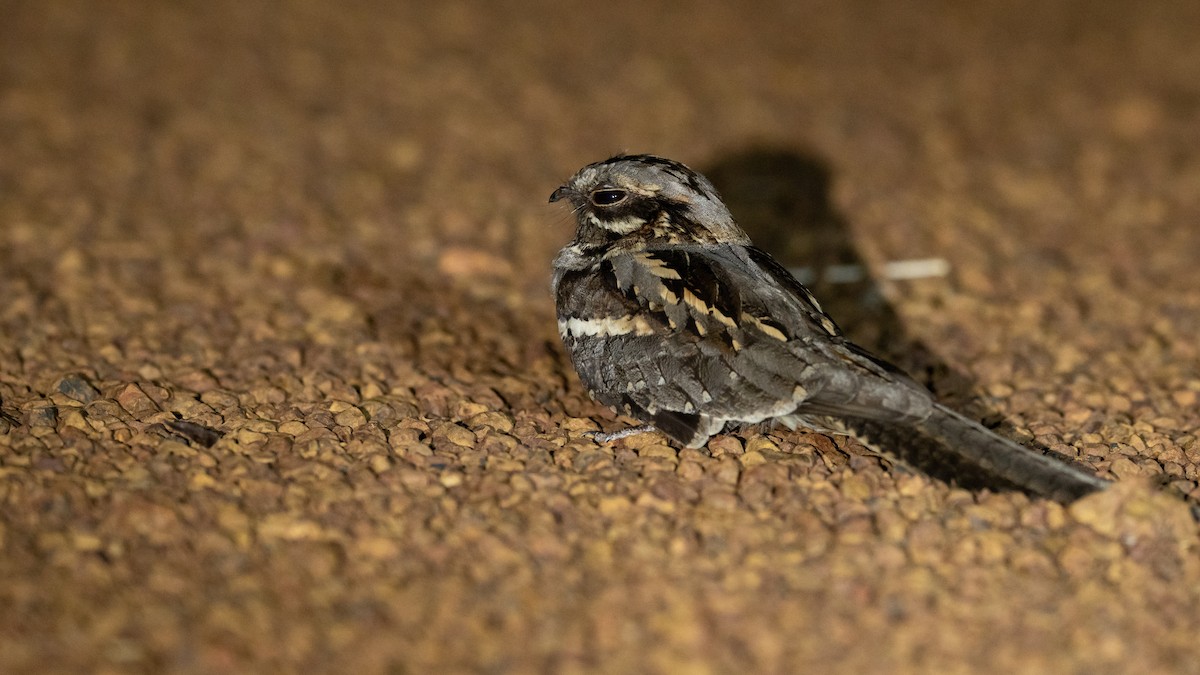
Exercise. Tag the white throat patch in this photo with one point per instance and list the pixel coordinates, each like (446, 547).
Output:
(621, 226)
(604, 327)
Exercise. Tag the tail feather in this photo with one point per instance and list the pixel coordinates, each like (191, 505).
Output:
(963, 441)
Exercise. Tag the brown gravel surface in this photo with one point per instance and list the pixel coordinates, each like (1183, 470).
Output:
(280, 388)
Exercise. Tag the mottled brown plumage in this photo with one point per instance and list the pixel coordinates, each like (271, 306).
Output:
(671, 315)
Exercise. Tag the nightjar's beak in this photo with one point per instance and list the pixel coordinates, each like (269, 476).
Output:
(560, 193)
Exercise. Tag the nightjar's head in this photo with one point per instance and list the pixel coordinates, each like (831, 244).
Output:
(647, 198)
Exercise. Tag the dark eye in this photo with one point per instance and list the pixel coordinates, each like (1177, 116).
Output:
(608, 197)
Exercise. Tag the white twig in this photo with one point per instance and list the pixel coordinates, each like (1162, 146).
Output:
(896, 270)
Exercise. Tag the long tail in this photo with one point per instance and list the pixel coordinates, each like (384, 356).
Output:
(947, 435)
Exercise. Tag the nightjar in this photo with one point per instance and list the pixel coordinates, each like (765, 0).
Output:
(671, 315)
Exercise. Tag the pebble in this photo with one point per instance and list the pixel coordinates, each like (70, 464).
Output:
(78, 388)
(134, 400)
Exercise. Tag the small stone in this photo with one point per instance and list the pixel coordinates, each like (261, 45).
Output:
(196, 434)
(726, 471)
(1120, 403)
(338, 406)
(42, 416)
(351, 417)
(248, 437)
(75, 419)
(577, 424)
(380, 464)
(659, 451)
(287, 527)
(467, 409)
(198, 381)
(592, 460)
(135, 401)
(77, 387)
(760, 445)
(725, 445)
(855, 488)
(1125, 469)
(380, 412)
(891, 526)
(493, 420)
(752, 458)
(454, 434)
(994, 546)
(506, 464)
(613, 504)
(268, 395)
(175, 448)
(200, 480)
(193, 408)
(371, 390)
(219, 398)
(260, 425)
(293, 428)
(405, 448)
(689, 470)
(149, 371)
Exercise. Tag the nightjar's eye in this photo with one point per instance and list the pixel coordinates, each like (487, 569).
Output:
(608, 196)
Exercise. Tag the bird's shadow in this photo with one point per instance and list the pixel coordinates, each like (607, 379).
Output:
(782, 199)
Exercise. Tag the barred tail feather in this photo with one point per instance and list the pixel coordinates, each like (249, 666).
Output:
(947, 437)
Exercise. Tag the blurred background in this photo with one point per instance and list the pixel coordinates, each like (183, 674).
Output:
(402, 129)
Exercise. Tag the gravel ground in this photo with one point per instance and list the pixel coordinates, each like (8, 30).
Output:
(280, 388)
